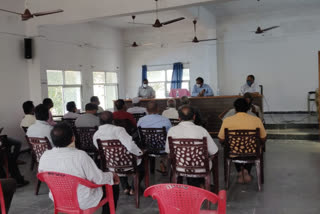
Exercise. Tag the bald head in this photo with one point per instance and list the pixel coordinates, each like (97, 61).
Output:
(186, 113)
(152, 107)
(106, 117)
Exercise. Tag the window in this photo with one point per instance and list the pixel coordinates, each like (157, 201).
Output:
(105, 86)
(63, 87)
(160, 81)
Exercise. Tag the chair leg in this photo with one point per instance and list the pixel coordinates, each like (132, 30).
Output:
(262, 169)
(137, 189)
(37, 187)
(228, 163)
(215, 175)
(258, 169)
(32, 164)
(6, 164)
(146, 170)
(207, 186)
(225, 169)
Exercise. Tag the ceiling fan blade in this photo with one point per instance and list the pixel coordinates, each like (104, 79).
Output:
(270, 28)
(8, 11)
(172, 21)
(48, 12)
(206, 40)
(137, 23)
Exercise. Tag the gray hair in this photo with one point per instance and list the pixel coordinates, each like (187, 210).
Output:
(184, 100)
(171, 103)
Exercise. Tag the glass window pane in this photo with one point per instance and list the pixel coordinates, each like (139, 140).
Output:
(185, 85)
(72, 77)
(156, 76)
(111, 95)
(54, 77)
(98, 90)
(55, 93)
(186, 74)
(99, 77)
(168, 89)
(72, 94)
(169, 75)
(111, 77)
(159, 87)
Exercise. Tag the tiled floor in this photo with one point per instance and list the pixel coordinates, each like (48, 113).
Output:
(291, 118)
(291, 186)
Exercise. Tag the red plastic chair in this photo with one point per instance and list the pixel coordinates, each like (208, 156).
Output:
(2, 204)
(179, 198)
(64, 191)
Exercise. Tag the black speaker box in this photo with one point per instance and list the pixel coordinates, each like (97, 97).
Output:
(28, 48)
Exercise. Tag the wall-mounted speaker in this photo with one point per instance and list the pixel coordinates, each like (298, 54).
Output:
(28, 48)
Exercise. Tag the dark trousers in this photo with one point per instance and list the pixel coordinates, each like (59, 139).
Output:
(14, 147)
(192, 181)
(247, 166)
(8, 188)
(13, 170)
(105, 208)
(124, 180)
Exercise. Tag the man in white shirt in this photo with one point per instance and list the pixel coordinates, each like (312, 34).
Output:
(89, 119)
(108, 131)
(65, 158)
(72, 111)
(251, 86)
(29, 117)
(41, 128)
(95, 100)
(136, 109)
(171, 112)
(145, 91)
(187, 129)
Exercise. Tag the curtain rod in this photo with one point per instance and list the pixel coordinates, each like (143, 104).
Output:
(185, 63)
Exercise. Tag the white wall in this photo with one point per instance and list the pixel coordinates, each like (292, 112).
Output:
(13, 74)
(284, 61)
(82, 47)
(201, 57)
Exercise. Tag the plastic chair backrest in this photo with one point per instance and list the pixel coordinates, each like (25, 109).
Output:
(154, 139)
(189, 156)
(184, 199)
(174, 122)
(114, 155)
(2, 204)
(137, 116)
(38, 146)
(84, 139)
(242, 143)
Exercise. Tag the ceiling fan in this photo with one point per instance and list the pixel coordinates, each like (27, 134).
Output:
(195, 39)
(137, 23)
(26, 15)
(261, 31)
(135, 44)
(159, 24)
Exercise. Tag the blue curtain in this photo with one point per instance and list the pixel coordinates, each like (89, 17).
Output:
(177, 73)
(144, 72)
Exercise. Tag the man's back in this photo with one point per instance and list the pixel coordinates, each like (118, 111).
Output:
(40, 129)
(171, 113)
(77, 163)
(87, 120)
(154, 121)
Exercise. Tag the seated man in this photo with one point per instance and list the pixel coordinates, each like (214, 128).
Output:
(187, 129)
(8, 189)
(49, 104)
(154, 120)
(29, 117)
(171, 112)
(251, 86)
(254, 110)
(95, 100)
(145, 91)
(200, 89)
(41, 128)
(89, 119)
(136, 109)
(198, 117)
(242, 120)
(72, 111)
(122, 114)
(108, 131)
(67, 159)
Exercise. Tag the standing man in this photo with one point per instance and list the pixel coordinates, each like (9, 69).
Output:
(145, 91)
(201, 90)
(250, 87)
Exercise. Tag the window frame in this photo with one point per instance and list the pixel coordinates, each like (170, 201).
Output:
(105, 84)
(64, 85)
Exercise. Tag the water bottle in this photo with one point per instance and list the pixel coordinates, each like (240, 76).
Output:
(177, 93)
(218, 92)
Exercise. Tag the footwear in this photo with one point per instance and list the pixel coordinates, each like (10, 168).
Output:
(22, 184)
(131, 192)
(247, 177)
(126, 191)
(240, 178)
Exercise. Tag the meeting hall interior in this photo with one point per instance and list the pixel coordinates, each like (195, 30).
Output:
(159, 106)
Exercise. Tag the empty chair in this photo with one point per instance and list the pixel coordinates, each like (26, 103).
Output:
(84, 140)
(115, 156)
(185, 199)
(38, 147)
(243, 147)
(64, 191)
(190, 158)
